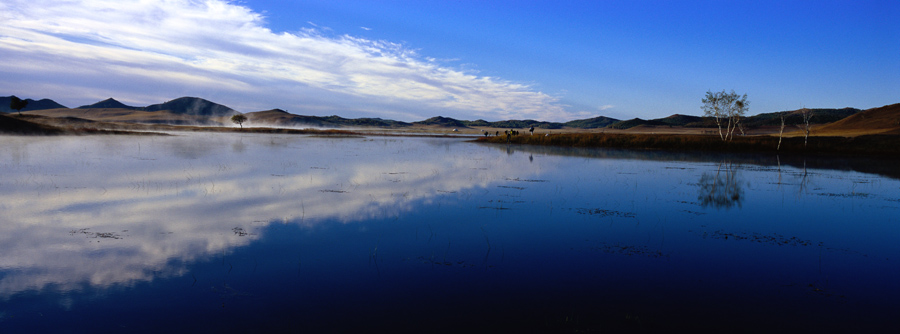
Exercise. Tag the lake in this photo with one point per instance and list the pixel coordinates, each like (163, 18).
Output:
(232, 233)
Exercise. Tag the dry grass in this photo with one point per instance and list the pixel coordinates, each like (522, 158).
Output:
(862, 145)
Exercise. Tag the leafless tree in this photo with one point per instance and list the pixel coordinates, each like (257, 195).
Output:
(780, 133)
(806, 114)
(727, 109)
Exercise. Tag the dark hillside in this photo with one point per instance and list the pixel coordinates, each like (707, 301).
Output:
(524, 124)
(32, 104)
(282, 118)
(794, 117)
(109, 103)
(442, 121)
(591, 123)
(12, 125)
(680, 120)
(633, 123)
(192, 106)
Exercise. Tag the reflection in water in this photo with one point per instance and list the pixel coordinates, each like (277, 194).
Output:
(140, 210)
(225, 232)
(722, 188)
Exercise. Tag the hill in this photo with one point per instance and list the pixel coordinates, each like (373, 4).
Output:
(681, 120)
(881, 120)
(280, 117)
(634, 122)
(41, 104)
(442, 122)
(524, 124)
(591, 123)
(794, 117)
(192, 106)
(109, 103)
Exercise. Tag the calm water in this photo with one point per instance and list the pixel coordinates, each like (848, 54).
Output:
(268, 233)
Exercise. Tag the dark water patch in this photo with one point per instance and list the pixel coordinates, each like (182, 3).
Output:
(847, 195)
(512, 187)
(333, 191)
(444, 263)
(628, 250)
(525, 180)
(604, 213)
(772, 239)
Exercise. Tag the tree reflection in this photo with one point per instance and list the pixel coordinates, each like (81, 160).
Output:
(722, 188)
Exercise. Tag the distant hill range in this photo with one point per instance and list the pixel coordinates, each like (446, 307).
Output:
(193, 110)
(184, 110)
(283, 118)
(32, 104)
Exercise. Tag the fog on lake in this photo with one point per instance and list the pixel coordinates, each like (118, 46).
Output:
(289, 233)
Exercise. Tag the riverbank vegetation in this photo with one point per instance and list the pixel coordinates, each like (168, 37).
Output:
(886, 145)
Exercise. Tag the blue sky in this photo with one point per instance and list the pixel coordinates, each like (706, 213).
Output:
(492, 60)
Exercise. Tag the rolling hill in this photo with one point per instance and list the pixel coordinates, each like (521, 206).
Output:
(280, 117)
(32, 104)
(109, 103)
(882, 120)
(192, 106)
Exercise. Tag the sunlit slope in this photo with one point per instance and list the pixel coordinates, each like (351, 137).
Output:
(882, 120)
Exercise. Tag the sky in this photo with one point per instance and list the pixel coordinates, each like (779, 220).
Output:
(492, 60)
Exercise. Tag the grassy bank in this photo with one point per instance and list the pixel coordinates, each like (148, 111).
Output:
(881, 145)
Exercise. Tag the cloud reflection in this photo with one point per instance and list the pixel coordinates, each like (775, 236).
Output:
(94, 211)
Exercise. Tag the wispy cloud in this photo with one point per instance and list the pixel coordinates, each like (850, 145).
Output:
(223, 51)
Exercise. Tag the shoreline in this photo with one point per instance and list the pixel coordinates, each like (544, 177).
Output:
(869, 145)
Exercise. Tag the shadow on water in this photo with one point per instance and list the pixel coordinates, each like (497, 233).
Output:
(873, 165)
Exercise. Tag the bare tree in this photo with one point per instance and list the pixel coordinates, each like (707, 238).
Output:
(726, 108)
(780, 133)
(807, 114)
(239, 119)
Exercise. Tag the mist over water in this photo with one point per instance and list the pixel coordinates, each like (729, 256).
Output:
(286, 233)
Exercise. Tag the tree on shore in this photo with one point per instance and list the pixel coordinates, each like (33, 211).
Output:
(727, 108)
(781, 132)
(239, 119)
(807, 115)
(17, 104)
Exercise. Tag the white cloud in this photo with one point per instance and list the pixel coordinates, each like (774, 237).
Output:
(222, 51)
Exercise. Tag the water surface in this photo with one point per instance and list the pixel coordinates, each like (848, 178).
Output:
(282, 233)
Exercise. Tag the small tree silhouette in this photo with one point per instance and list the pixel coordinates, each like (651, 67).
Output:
(17, 104)
(239, 119)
